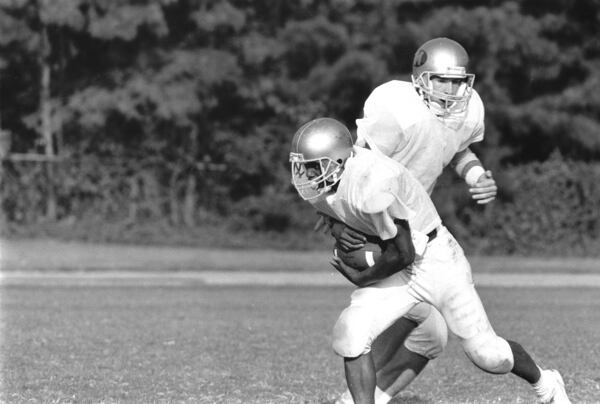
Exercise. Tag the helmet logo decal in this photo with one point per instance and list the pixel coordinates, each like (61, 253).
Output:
(420, 58)
(297, 160)
(298, 169)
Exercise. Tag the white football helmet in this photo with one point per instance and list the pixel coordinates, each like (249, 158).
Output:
(317, 156)
(447, 60)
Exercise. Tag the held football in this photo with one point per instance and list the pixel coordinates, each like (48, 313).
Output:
(359, 259)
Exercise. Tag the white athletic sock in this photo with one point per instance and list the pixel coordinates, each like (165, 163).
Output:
(543, 387)
(345, 398)
(381, 397)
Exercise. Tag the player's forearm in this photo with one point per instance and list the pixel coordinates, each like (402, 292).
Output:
(389, 263)
(399, 253)
(468, 166)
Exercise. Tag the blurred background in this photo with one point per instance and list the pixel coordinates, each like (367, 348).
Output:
(168, 121)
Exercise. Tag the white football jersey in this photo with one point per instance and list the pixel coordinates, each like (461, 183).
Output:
(373, 191)
(398, 123)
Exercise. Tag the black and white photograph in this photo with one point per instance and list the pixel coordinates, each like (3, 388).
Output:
(309, 202)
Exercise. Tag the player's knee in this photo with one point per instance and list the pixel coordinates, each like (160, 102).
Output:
(351, 337)
(419, 313)
(429, 339)
(490, 353)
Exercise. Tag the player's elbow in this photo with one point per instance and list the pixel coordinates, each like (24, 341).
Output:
(408, 258)
(397, 260)
(402, 246)
(403, 256)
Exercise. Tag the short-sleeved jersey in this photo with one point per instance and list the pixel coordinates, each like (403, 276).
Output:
(373, 191)
(398, 123)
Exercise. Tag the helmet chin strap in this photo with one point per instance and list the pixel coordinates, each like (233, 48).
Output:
(437, 108)
(433, 105)
(443, 109)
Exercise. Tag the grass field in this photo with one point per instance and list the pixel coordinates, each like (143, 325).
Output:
(84, 339)
(252, 344)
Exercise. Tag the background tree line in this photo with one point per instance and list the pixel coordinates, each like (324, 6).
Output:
(170, 120)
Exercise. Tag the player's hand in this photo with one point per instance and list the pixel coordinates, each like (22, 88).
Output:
(485, 190)
(352, 274)
(347, 238)
(323, 224)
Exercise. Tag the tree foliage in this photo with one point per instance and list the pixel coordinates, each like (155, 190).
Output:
(181, 110)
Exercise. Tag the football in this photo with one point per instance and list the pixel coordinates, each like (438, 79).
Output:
(359, 259)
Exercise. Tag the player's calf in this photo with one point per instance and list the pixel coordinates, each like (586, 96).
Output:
(548, 384)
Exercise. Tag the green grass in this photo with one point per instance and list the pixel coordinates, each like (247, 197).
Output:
(199, 344)
(53, 255)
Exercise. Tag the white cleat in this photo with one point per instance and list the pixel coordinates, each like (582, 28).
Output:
(558, 394)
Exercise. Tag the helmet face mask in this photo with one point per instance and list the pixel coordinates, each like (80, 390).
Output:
(433, 88)
(312, 178)
(440, 76)
(319, 151)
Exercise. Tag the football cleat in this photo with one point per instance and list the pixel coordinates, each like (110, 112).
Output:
(558, 394)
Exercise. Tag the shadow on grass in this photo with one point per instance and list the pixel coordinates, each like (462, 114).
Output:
(409, 399)
(403, 399)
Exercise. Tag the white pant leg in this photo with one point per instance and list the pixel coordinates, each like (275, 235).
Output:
(459, 303)
(430, 337)
(372, 310)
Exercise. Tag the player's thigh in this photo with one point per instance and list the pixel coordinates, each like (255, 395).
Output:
(377, 308)
(463, 311)
(371, 311)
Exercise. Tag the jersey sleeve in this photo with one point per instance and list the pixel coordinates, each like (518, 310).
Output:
(476, 116)
(383, 206)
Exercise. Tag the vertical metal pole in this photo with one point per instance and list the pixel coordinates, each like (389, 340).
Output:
(46, 123)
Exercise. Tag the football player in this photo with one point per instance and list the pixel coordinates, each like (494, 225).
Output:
(425, 125)
(423, 262)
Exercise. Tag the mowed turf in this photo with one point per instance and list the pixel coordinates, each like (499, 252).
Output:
(252, 344)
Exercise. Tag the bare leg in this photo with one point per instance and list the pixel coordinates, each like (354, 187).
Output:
(389, 342)
(396, 366)
(360, 376)
(402, 351)
(400, 371)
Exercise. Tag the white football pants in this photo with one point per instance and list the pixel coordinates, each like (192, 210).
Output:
(441, 277)
(430, 337)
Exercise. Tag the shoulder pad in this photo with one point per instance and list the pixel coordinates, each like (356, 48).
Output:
(390, 110)
(476, 108)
